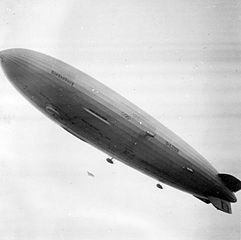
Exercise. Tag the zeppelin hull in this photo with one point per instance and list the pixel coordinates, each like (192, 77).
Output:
(99, 116)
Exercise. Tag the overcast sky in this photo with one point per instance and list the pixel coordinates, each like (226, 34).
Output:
(177, 60)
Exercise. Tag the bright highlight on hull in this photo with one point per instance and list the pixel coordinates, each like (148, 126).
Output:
(101, 117)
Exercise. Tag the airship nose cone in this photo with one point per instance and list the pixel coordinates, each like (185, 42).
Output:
(3, 55)
(11, 63)
(7, 54)
(20, 67)
(17, 64)
(13, 55)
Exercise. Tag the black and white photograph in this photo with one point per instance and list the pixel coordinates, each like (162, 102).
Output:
(120, 120)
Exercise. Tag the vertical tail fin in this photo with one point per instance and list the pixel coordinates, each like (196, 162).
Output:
(231, 182)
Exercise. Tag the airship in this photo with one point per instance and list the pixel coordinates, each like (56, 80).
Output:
(96, 114)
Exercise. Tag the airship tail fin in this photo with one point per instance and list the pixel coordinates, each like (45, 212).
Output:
(231, 182)
(221, 204)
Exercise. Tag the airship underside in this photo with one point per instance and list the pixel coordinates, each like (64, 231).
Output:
(101, 117)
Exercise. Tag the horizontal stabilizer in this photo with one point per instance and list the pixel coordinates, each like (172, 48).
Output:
(230, 182)
(221, 204)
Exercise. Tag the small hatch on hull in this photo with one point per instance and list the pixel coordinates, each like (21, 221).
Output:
(50, 109)
(149, 134)
(188, 169)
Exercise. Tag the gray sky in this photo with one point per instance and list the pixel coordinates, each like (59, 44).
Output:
(178, 60)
